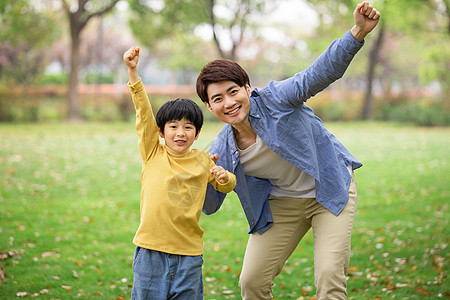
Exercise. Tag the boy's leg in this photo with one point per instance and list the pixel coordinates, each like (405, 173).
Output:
(186, 277)
(332, 237)
(150, 275)
(266, 254)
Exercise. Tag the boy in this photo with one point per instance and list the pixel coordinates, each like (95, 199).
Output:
(168, 259)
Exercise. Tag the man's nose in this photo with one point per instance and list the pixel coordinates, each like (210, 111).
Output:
(229, 101)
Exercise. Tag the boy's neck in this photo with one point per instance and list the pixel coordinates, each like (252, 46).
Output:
(177, 153)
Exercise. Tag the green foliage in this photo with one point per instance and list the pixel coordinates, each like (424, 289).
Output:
(99, 78)
(69, 199)
(58, 79)
(150, 24)
(422, 113)
(168, 31)
(25, 36)
(436, 66)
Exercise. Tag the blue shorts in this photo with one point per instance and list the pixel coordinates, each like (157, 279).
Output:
(161, 276)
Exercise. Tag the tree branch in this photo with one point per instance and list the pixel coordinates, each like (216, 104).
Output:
(212, 21)
(101, 11)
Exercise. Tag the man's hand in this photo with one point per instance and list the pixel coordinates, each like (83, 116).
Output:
(220, 174)
(215, 157)
(366, 18)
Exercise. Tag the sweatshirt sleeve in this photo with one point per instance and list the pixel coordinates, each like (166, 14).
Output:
(224, 188)
(227, 187)
(146, 127)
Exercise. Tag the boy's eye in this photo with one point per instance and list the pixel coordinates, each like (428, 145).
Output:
(217, 99)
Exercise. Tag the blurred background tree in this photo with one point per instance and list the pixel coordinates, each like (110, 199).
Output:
(79, 13)
(173, 29)
(413, 35)
(26, 33)
(403, 66)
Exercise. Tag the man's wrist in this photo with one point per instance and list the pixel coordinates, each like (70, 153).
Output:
(358, 34)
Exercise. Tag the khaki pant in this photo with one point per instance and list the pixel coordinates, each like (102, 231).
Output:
(266, 254)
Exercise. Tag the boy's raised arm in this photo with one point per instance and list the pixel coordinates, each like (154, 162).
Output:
(146, 127)
(131, 58)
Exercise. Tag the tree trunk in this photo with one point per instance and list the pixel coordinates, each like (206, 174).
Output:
(73, 112)
(78, 20)
(73, 109)
(374, 56)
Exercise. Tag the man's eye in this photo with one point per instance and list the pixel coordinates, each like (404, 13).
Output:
(215, 100)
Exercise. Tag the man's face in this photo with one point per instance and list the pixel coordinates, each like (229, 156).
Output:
(229, 102)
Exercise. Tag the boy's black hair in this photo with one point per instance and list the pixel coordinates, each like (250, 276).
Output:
(178, 109)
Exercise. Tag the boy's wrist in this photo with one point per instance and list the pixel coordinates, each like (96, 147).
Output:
(133, 75)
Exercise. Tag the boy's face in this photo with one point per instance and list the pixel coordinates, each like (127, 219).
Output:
(179, 135)
(229, 102)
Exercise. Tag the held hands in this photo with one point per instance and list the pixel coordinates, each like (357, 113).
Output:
(215, 157)
(220, 174)
(366, 18)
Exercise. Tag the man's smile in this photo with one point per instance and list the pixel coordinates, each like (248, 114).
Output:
(234, 111)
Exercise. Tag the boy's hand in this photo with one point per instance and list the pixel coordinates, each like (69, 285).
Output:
(131, 57)
(220, 174)
(366, 18)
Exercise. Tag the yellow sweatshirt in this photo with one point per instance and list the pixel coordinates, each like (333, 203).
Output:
(173, 187)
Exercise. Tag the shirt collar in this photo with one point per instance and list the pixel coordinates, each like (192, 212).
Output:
(254, 109)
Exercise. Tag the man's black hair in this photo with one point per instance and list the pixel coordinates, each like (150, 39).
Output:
(178, 109)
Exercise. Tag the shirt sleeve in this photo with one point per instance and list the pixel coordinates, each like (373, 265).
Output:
(146, 127)
(327, 68)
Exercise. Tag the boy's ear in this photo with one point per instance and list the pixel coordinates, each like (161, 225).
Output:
(161, 134)
(198, 134)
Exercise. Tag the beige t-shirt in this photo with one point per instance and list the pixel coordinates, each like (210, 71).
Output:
(288, 181)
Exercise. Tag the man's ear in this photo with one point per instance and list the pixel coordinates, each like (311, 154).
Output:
(249, 89)
(161, 134)
(209, 107)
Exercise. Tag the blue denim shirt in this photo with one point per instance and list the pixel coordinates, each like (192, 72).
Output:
(288, 127)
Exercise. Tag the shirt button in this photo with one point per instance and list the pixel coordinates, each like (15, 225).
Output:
(257, 116)
(234, 162)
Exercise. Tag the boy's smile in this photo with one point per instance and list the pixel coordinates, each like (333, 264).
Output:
(179, 135)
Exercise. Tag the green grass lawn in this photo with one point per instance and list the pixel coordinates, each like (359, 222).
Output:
(69, 208)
